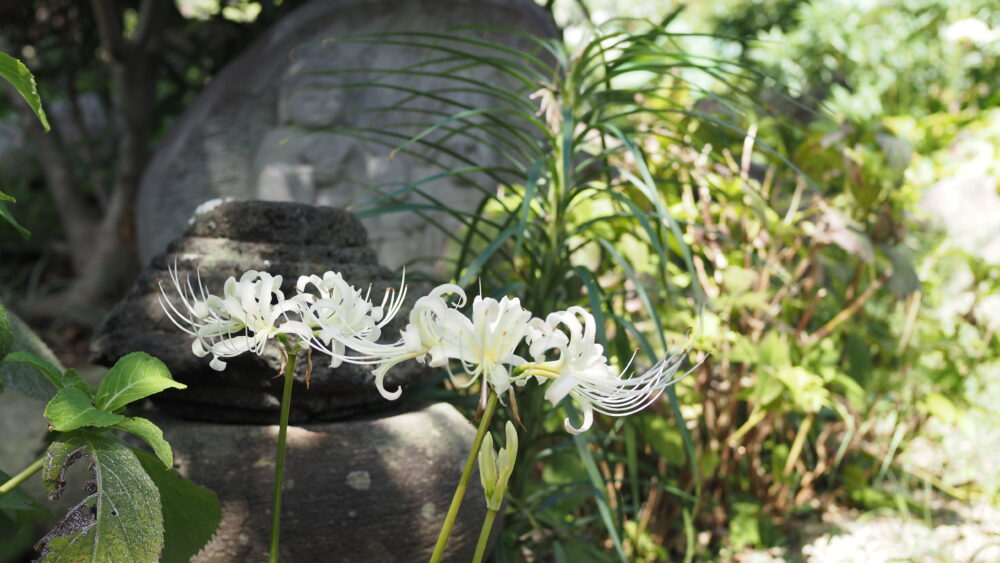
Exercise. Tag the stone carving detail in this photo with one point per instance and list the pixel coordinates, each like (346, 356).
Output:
(286, 239)
(260, 130)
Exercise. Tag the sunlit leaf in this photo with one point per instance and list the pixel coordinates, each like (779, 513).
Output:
(72, 408)
(133, 377)
(151, 434)
(14, 71)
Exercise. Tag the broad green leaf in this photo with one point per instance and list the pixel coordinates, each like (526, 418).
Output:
(19, 506)
(14, 71)
(121, 520)
(191, 513)
(151, 434)
(71, 408)
(6, 334)
(133, 377)
(24, 377)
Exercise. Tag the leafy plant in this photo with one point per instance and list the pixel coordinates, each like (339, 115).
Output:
(124, 516)
(18, 75)
(571, 214)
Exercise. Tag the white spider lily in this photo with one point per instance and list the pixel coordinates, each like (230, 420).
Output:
(485, 343)
(495, 468)
(424, 338)
(242, 320)
(341, 313)
(582, 371)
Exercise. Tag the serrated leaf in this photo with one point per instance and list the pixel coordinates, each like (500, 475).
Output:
(19, 506)
(14, 71)
(121, 518)
(24, 377)
(191, 513)
(151, 434)
(72, 408)
(133, 377)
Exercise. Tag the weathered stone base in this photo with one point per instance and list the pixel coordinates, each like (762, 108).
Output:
(363, 490)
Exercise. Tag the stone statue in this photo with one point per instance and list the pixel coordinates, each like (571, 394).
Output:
(263, 128)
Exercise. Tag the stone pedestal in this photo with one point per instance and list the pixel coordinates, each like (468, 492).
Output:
(373, 490)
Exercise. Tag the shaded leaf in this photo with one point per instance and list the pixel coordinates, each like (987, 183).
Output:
(71, 408)
(51, 372)
(14, 71)
(904, 280)
(133, 377)
(19, 506)
(151, 434)
(120, 520)
(6, 215)
(191, 513)
(23, 377)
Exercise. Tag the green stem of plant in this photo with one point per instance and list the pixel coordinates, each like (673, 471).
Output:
(21, 477)
(484, 536)
(798, 443)
(463, 482)
(279, 464)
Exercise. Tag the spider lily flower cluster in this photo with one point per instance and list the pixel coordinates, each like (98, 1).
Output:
(487, 347)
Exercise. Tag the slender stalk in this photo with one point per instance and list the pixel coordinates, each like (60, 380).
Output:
(21, 477)
(279, 464)
(484, 536)
(463, 482)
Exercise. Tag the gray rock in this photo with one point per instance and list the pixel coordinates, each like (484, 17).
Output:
(262, 127)
(365, 490)
(228, 240)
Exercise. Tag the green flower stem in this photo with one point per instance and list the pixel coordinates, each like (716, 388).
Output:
(484, 536)
(21, 477)
(463, 482)
(279, 464)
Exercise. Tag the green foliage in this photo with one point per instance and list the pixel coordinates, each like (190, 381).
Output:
(585, 214)
(6, 215)
(640, 190)
(136, 376)
(120, 520)
(151, 434)
(18, 75)
(865, 60)
(191, 513)
(18, 506)
(22, 376)
(72, 408)
(133, 499)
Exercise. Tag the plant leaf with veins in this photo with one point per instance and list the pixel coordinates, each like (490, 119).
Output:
(120, 520)
(133, 377)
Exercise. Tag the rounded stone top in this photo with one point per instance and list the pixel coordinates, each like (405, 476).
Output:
(270, 222)
(226, 239)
